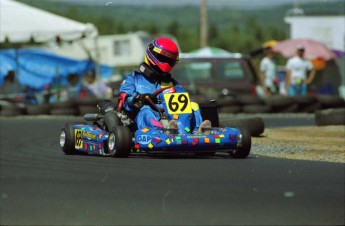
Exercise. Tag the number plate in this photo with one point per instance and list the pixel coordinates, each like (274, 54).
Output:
(178, 103)
(78, 139)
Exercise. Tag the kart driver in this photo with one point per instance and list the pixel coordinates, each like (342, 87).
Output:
(153, 74)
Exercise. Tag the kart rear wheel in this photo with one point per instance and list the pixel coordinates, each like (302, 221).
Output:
(244, 146)
(67, 140)
(111, 120)
(119, 142)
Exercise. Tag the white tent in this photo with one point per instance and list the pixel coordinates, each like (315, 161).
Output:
(21, 23)
(209, 52)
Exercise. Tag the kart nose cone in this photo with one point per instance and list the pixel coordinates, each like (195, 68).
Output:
(62, 138)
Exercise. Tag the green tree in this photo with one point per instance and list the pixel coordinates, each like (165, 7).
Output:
(188, 39)
(105, 25)
(134, 27)
(120, 29)
(173, 28)
(213, 33)
(152, 28)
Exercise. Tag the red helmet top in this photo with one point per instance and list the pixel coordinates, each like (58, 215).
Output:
(163, 53)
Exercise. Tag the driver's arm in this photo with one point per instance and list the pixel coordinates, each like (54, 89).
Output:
(128, 87)
(134, 100)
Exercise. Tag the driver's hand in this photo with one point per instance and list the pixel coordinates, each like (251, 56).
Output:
(151, 96)
(140, 100)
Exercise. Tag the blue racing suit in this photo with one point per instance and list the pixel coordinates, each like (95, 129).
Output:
(146, 117)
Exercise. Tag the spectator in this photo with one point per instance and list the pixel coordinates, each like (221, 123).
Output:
(268, 73)
(11, 89)
(72, 89)
(96, 88)
(297, 68)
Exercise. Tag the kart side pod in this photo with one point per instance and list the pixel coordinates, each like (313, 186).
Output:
(225, 139)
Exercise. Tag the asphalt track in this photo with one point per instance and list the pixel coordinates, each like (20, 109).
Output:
(42, 186)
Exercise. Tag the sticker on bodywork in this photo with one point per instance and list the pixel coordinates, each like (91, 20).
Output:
(78, 139)
(144, 139)
(89, 135)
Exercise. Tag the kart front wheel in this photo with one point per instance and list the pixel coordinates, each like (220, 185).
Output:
(244, 145)
(67, 141)
(119, 142)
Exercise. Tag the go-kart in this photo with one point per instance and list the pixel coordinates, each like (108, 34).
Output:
(123, 137)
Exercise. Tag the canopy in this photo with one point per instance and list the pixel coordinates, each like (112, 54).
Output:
(209, 52)
(21, 23)
(38, 68)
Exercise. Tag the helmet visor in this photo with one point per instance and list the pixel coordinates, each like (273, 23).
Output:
(163, 56)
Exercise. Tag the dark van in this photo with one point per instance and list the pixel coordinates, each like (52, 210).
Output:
(216, 76)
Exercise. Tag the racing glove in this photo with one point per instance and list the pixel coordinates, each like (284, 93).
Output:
(140, 100)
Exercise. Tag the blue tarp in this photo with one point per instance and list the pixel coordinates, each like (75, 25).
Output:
(37, 68)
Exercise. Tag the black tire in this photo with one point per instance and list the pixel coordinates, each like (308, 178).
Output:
(64, 104)
(243, 150)
(230, 109)
(42, 109)
(304, 100)
(310, 108)
(63, 111)
(248, 100)
(82, 110)
(111, 120)
(289, 109)
(227, 101)
(200, 99)
(87, 101)
(256, 108)
(119, 142)
(255, 125)
(5, 112)
(67, 139)
(278, 101)
(10, 109)
(331, 101)
(330, 117)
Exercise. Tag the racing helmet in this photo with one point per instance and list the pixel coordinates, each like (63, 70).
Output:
(162, 53)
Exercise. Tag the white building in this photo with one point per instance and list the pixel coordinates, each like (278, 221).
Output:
(124, 49)
(119, 50)
(329, 30)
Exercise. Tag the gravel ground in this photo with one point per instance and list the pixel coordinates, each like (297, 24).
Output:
(318, 143)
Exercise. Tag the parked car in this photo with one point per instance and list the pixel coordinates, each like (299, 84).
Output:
(216, 76)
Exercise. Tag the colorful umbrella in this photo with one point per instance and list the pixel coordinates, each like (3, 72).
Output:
(313, 49)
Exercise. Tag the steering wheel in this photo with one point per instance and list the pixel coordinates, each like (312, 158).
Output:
(153, 105)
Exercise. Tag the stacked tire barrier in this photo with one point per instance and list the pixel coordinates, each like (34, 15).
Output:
(226, 104)
(255, 125)
(76, 107)
(10, 109)
(278, 104)
(330, 117)
(328, 110)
